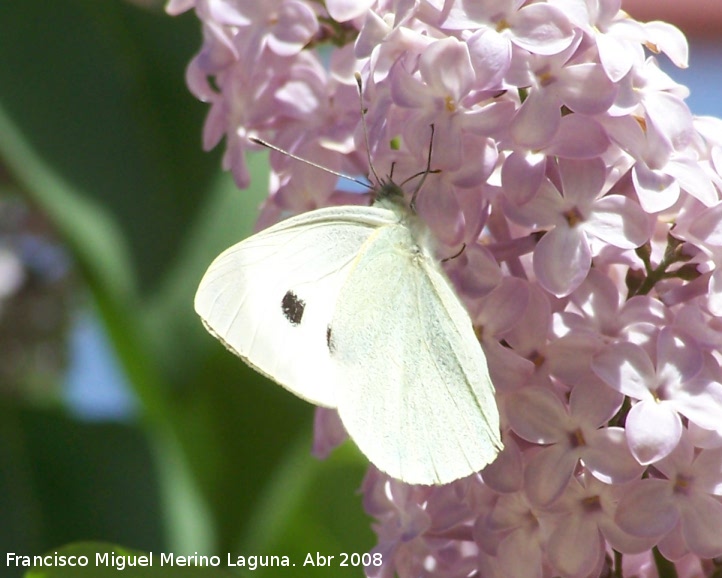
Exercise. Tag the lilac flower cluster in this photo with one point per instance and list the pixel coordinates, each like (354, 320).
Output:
(588, 199)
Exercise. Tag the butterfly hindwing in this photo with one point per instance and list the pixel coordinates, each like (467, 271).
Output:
(271, 297)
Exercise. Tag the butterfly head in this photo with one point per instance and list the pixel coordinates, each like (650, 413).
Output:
(388, 193)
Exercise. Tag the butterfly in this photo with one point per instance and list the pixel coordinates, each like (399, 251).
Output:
(348, 308)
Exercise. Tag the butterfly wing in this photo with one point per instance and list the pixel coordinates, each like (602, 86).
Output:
(417, 398)
(270, 298)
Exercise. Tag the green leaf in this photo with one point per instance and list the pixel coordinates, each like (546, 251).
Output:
(224, 217)
(65, 480)
(97, 127)
(83, 479)
(21, 529)
(106, 108)
(237, 426)
(313, 507)
(77, 117)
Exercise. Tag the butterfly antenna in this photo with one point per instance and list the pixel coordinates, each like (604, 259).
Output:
(426, 171)
(359, 83)
(262, 142)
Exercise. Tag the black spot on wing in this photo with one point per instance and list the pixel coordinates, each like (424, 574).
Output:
(292, 307)
(329, 340)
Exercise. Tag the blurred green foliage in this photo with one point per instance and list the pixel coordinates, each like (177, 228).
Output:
(99, 132)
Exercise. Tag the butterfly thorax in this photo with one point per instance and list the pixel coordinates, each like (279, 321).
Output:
(390, 196)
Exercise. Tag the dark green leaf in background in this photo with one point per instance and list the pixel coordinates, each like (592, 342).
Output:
(64, 480)
(99, 131)
(97, 90)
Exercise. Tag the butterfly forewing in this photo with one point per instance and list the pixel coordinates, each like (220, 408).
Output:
(270, 298)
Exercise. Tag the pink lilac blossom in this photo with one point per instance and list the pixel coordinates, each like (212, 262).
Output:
(587, 196)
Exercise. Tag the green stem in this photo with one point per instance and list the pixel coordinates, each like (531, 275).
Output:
(673, 254)
(665, 568)
(617, 565)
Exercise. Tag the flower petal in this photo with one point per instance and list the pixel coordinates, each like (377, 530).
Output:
(345, 10)
(613, 54)
(692, 178)
(656, 190)
(653, 431)
(620, 222)
(707, 225)
(627, 368)
(504, 306)
(504, 474)
(593, 405)
(608, 457)
(522, 175)
(541, 29)
(578, 137)
(537, 415)
(490, 55)
(569, 359)
(582, 180)
(701, 523)
(587, 89)
(548, 473)
(328, 432)
(647, 509)
(588, 546)
(679, 358)
(562, 259)
(708, 466)
(537, 121)
(446, 67)
(669, 39)
(530, 564)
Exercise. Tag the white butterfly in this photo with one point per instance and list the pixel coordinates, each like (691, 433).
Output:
(348, 308)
